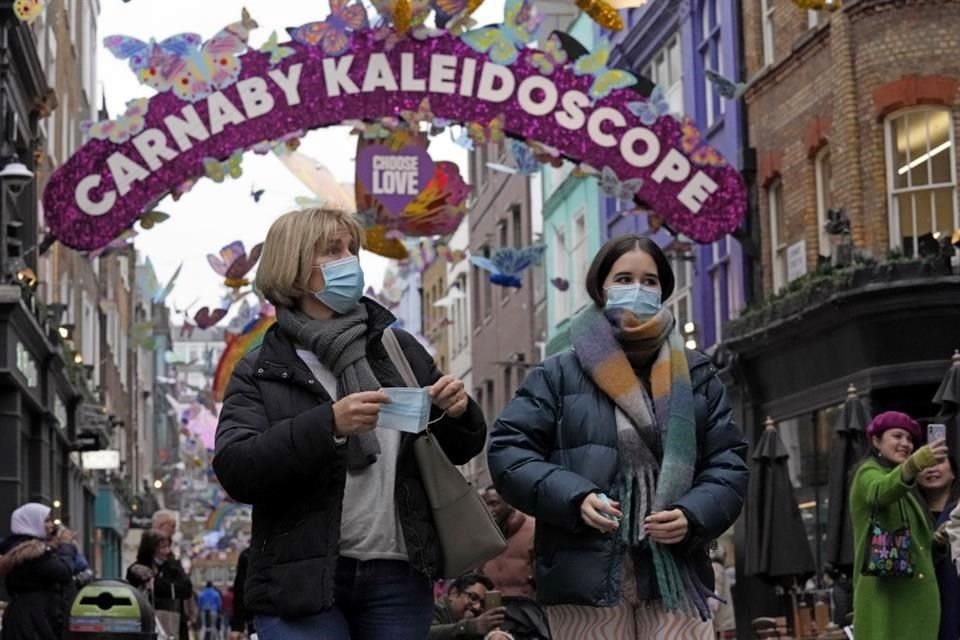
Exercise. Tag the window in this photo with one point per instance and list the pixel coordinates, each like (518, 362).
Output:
(681, 302)
(516, 223)
(766, 9)
(778, 240)
(561, 269)
(580, 261)
(824, 180)
(507, 383)
(711, 59)
(502, 232)
(813, 19)
(477, 278)
(487, 289)
(922, 178)
(460, 316)
(665, 70)
(491, 408)
(719, 283)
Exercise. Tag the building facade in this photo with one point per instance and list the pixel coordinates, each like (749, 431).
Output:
(854, 128)
(673, 43)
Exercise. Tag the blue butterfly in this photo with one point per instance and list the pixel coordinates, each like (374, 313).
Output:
(653, 109)
(508, 264)
(463, 140)
(523, 156)
(256, 194)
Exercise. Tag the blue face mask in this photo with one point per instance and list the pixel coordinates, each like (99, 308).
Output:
(640, 300)
(409, 410)
(342, 284)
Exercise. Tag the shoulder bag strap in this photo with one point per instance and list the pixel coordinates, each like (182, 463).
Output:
(392, 345)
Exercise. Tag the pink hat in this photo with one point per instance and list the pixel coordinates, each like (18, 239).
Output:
(893, 420)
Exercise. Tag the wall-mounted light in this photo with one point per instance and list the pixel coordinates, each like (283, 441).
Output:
(689, 328)
(66, 331)
(14, 174)
(158, 484)
(78, 359)
(691, 344)
(56, 504)
(27, 277)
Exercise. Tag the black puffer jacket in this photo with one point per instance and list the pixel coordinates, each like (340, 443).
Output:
(556, 442)
(275, 450)
(40, 584)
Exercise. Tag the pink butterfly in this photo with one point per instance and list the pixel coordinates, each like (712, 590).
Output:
(123, 128)
(234, 263)
(333, 34)
(206, 319)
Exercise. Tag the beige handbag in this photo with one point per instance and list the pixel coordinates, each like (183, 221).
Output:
(468, 535)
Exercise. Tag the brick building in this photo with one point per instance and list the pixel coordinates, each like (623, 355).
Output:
(853, 118)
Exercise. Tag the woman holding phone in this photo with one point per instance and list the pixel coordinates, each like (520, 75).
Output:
(882, 494)
(940, 488)
(344, 543)
(625, 451)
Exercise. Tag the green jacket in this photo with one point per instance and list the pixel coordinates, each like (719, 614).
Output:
(892, 608)
(447, 627)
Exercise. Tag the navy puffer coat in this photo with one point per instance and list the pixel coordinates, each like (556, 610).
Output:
(556, 442)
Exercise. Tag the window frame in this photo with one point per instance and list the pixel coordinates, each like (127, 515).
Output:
(824, 195)
(893, 211)
(711, 57)
(682, 295)
(561, 269)
(767, 8)
(672, 87)
(778, 245)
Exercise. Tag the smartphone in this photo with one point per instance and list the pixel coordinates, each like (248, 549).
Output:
(936, 432)
(492, 600)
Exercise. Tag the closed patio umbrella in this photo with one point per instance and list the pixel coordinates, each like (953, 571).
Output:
(777, 548)
(846, 450)
(948, 397)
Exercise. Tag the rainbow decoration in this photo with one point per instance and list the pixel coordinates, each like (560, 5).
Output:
(218, 515)
(238, 345)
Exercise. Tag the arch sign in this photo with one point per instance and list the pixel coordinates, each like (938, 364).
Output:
(648, 154)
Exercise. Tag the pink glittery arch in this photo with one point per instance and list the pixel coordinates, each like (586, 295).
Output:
(719, 215)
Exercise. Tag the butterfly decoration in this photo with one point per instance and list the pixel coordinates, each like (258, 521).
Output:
(281, 145)
(27, 10)
(148, 285)
(177, 192)
(403, 18)
(552, 56)
(584, 170)
(233, 263)
(507, 264)
(460, 23)
(693, 144)
(486, 134)
(651, 109)
(523, 157)
(447, 301)
(724, 86)
(561, 284)
(449, 10)
(368, 130)
(218, 171)
(278, 53)
(151, 61)
(334, 34)
(463, 140)
(422, 114)
(204, 318)
(123, 128)
(319, 180)
(256, 194)
(452, 256)
(152, 218)
(504, 42)
(613, 187)
(546, 154)
(604, 80)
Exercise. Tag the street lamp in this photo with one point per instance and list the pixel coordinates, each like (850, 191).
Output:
(14, 174)
(66, 330)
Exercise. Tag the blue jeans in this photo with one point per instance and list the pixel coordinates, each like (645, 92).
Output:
(375, 600)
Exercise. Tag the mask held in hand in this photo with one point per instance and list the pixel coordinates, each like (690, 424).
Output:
(409, 410)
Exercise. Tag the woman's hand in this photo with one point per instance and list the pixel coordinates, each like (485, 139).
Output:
(592, 509)
(667, 527)
(923, 458)
(450, 394)
(357, 412)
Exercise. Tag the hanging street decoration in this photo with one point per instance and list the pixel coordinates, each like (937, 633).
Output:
(485, 80)
(234, 264)
(239, 344)
(506, 265)
(393, 178)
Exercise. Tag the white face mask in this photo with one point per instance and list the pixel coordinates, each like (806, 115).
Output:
(640, 300)
(408, 410)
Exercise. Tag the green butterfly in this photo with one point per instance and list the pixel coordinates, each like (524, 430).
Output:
(604, 80)
(218, 171)
(277, 52)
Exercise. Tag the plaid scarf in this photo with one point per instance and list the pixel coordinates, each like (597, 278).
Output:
(658, 455)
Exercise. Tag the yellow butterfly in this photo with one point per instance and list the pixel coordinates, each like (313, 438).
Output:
(152, 218)
(218, 171)
(491, 133)
(422, 114)
(277, 52)
(28, 10)
(604, 80)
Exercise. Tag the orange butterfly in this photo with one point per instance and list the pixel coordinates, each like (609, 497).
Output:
(693, 144)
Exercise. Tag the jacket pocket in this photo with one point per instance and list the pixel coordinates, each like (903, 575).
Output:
(303, 587)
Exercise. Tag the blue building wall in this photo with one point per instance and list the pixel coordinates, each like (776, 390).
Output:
(711, 29)
(571, 212)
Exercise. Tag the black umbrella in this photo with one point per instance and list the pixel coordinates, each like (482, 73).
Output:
(948, 397)
(777, 547)
(847, 449)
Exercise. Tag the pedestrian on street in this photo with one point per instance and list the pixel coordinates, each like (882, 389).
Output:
(65, 543)
(210, 603)
(242, 620)
(38, 580)
(940, 489)
(165, 521)
(344, 544)
(171, 586)
(461, 615)
(512, 570)
(625, 451)
(893, 608)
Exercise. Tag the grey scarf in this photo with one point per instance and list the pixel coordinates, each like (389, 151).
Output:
(340, 343)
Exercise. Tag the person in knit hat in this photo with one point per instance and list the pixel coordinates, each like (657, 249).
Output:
(625, 451)
(882, 496)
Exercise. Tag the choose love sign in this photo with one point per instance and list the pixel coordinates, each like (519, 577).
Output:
(106, 185)
(394, 178)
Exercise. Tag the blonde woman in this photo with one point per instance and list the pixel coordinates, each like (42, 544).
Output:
(344, 545)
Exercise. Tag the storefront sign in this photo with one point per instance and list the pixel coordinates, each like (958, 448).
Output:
(103, 459)
(796, 260)
(105, 186)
